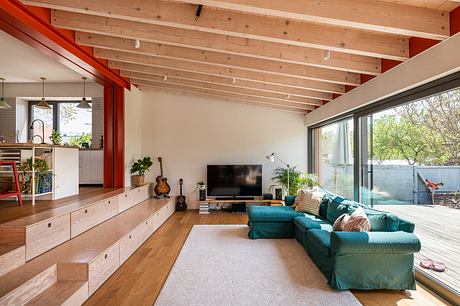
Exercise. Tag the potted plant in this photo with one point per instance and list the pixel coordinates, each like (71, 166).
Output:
(138, 170)
(297, 179)
(56, 137)
(201, 185)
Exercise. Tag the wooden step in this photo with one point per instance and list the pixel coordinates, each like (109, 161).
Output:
(48, 229)
(62, 293)
(11, 257)
(30, 283)
(92, 256)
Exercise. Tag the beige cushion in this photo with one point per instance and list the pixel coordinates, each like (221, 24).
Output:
(308, 201)
(340, 222)
(358, 222)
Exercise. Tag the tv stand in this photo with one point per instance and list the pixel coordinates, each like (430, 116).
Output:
(205, 205)
(240, 199)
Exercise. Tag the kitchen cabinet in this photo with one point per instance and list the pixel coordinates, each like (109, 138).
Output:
(91, 166)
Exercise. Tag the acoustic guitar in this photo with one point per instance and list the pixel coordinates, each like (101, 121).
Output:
(162, 187)
(180, 200)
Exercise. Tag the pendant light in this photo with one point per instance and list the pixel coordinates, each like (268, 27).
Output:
(84, 103)
(43, 103)
(3, 103)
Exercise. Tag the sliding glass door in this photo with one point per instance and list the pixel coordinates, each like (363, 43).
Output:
(334, 156)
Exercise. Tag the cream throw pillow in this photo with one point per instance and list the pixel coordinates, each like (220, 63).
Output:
(358, 222)
(340, 222)
(308, 201)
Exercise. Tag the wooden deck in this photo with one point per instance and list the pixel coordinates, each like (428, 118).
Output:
(438, 228)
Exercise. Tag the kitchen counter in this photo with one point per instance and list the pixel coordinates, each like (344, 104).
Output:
(91, 149)
(36, 145)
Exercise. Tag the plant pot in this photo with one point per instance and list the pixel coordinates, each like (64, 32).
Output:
(137, 180)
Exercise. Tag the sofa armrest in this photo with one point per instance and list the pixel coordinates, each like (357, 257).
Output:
(374, 243)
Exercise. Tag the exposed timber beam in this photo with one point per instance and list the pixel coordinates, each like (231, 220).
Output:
(233, 82)
(115, 62)
(223, 96)
(276, 98)
(216, 42)
(369, 15)
(234, 23)
(219, 59)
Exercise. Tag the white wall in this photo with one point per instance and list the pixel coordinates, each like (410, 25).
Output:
(436, 62)
(132, 129)
(191, 132)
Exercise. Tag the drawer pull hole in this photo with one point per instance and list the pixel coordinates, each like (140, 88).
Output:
(86, 211)
(129, 236)
(109, 202)
(105, 256)
(126, 195)
(146, 222)
(49, 224)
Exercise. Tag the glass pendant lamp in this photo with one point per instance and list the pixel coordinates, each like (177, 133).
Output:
(84, 103)
(3, 103)
(43, 103)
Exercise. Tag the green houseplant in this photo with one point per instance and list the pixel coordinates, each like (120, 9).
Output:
(297, 179)
(138, 170)
(56, 137)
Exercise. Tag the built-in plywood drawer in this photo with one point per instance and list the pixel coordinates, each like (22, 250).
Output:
(126, 200)
(90, 216)
(104, 265)
(130, 243)
(46, 235)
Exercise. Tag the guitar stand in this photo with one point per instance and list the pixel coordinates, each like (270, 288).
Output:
(163, 196)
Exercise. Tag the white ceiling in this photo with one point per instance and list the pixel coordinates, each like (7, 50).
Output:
(20, 63)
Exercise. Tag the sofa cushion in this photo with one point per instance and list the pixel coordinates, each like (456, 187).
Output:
(335, 210)
(319, 241)
(309, 201)
(272, 213)
(311, 222)
(289, 200)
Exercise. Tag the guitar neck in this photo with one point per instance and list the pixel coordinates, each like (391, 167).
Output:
(161, 165)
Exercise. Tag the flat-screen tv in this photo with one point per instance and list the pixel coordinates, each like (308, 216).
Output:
(234, 180)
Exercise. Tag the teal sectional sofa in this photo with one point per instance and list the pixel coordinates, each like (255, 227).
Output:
(380, 259)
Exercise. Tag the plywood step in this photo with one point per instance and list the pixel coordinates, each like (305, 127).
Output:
(90, 257)
(62, 293)
(11, 257)
(24, 285)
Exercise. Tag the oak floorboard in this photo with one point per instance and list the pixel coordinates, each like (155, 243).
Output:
(140, 279)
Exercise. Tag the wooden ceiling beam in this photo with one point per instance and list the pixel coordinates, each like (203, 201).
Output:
(278, 98)
(216, 42)
(115, 62)
(224, 96)
(234, 23)
(237, 83)
(150, 50)
(369, 15)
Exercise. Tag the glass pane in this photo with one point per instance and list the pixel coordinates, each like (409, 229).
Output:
(75, 124)
(46, 115)
(412, 169)
(335, 157)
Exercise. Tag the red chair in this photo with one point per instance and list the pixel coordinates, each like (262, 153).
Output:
(16, 193)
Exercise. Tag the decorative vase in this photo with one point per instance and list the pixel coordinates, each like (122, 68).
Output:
(137, 180)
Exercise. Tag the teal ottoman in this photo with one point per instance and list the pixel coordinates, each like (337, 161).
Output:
(271, 222)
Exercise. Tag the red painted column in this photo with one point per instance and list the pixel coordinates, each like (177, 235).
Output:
(114, 136)
(455, 21)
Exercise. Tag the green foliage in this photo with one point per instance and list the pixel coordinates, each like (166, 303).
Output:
(56, 137)
(68, 112)
(79, 140)
(297, 179)
(141, 166)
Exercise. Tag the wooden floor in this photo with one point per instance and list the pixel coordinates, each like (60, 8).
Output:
(139, 280)
(10, 211)
(438, 228)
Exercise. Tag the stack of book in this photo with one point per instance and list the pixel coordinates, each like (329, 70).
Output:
(204, 208)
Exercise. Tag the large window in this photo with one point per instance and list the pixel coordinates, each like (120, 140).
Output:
(74, 124)
(334, 145)
(402, 155)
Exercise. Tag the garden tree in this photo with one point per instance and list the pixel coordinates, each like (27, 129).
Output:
(439, 116)
(395, 137)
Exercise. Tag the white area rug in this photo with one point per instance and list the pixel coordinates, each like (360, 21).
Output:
(220, 265)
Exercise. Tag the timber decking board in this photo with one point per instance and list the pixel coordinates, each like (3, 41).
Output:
(438, 228)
